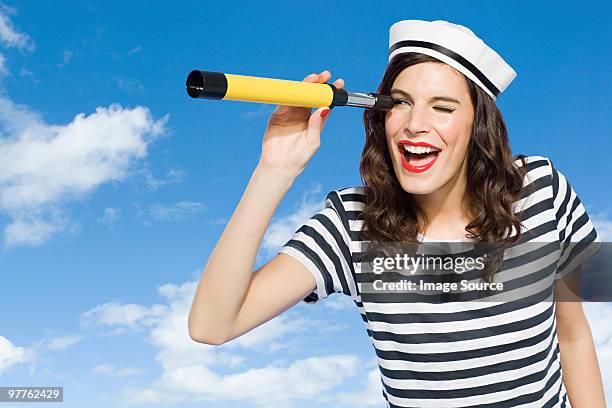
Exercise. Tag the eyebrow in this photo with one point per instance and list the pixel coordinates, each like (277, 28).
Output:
(435, 98)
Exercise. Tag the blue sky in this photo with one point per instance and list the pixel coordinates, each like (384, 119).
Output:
(115, 185)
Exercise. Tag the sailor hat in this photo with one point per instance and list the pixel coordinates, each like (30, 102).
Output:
(456, 46)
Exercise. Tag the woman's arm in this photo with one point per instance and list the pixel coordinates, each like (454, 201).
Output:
(230, 299)
(581, 374)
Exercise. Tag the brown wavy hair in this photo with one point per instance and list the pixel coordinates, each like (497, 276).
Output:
(494, 182)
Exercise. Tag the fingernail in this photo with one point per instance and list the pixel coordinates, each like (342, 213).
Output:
(325, 112)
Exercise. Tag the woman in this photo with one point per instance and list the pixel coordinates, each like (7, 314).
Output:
(437, 167)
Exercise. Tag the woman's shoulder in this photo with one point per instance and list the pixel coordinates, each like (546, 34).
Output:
(532, 161)
(537, 168)
(347, 199)
(348, 195)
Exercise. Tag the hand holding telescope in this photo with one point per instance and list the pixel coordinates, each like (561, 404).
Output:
(293, 134)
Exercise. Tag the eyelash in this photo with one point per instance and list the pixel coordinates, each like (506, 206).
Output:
(447, 109)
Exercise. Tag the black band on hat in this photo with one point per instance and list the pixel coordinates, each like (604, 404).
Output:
(451, 54)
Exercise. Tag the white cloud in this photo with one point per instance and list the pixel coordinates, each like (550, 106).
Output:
(190, 369)
(603, 225)
(10, 354)
(271, 386)
(121, 315)
(130, 85)
(281, 229)
(110, 369)
(3, 68)
(35, 227)
(218, 221)
(42, 166)
(11, 37)
(62, 343)
(110, 216)
(135, 50)
(339, 303)
(172, 212)
(598, 314)
(368, 396)
(66, 58)
(171, 177)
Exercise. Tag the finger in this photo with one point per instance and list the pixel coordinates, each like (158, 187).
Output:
(324, 76)
(339, 83)
(311, 78)
(281, 109)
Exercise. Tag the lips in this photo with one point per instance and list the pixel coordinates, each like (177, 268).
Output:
(417, 157)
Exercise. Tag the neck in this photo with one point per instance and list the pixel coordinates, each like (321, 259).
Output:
(447, 206)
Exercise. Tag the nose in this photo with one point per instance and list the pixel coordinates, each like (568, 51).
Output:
(417, 121)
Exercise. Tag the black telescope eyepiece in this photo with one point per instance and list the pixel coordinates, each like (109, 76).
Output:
(206, 84)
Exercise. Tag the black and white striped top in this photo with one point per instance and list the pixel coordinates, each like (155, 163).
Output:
(458, 354)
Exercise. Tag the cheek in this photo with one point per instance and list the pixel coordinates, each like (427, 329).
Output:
(390, 130)
(393, 123)
(455, 132)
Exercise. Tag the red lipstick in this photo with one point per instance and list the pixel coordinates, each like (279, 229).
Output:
(421, 167)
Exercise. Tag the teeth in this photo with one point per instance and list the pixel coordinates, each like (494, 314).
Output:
(419, 149)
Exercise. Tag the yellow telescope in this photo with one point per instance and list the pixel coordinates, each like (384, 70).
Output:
(217, 85)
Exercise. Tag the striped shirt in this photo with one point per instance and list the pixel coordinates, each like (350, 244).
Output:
(459, 354)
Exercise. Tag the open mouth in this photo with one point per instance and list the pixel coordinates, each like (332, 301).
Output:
(418, 157)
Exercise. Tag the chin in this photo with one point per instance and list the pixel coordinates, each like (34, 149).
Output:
(418, 186)
(418, 183)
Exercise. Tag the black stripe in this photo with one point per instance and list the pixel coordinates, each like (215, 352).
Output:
(329, 252)
(472, 334)
(463, 355)
(539, 251)
(496, 310)
(577, 248)
(536, 185)
(451, 54)
(411, 297)
(570, 216)
(353, 215)
(469, 372)
(563, 207)
(336, 204)
(523, 399)
(485, 389)
(312, 255)
(353, 197)
(511, 403)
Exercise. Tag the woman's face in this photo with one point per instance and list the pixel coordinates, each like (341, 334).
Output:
(432, 118)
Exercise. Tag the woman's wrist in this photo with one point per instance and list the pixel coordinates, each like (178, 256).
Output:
(275, 177)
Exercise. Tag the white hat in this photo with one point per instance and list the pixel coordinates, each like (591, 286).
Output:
(456, 46)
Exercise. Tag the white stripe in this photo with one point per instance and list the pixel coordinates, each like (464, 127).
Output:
(476, 381)
(465, 345)
(447, 60)
(467, 363)
(462, 325)
(477, 399)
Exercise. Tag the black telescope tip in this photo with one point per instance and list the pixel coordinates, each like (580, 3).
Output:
(383, 102)
(206, 84)
(195, 84)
